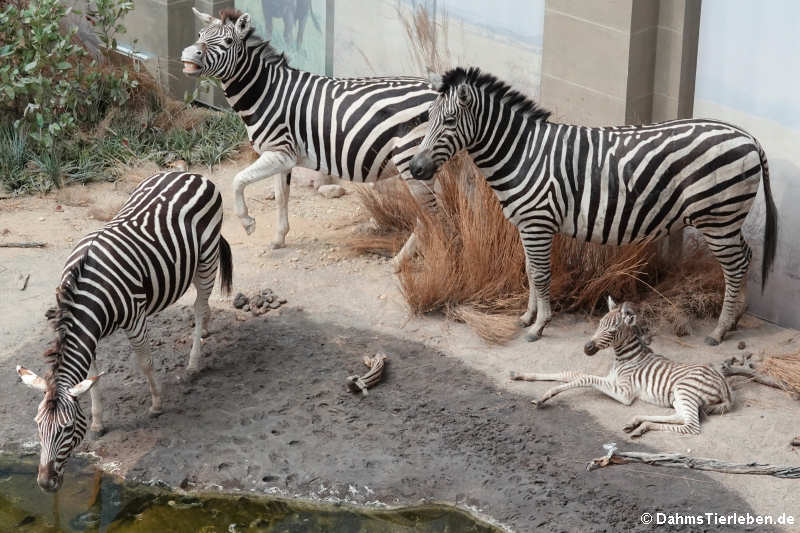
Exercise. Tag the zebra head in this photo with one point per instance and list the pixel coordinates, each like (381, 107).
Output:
(615, 327)
(61, 424)
(220, 45)
(451, 123)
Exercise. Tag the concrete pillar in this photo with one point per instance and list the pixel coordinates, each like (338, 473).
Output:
(609, 62)
(619, 61)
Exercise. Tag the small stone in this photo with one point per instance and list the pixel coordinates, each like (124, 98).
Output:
(240, 300)
(246, 308)
(742, 345)
(274, 305)
(331, 191)
(269, 298)
(282, 301)
(257, 301)
(270, 195)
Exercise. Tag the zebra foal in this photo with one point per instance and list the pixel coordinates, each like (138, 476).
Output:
(164, 238)
(610, 185)
(361, 129)
(639, 373)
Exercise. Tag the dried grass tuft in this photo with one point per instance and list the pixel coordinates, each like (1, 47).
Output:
(471, 261)
(785, 368)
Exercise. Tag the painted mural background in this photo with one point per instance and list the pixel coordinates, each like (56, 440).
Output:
(504, 38)
(296, 27)
(748, 75)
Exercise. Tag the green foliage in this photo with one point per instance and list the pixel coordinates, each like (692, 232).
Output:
(64, 118)
(47, 82)
(106, 15)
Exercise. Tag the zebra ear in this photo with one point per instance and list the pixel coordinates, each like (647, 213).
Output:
(242, 26)
(205, 18)
(436, 80)
(464, 96)
(83, 386)
(611, 304)
(30, 379)
(628, 314)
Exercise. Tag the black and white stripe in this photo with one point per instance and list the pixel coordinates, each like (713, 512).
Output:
(360, 129)
(611, 185)
(639, 373)
(165, 237)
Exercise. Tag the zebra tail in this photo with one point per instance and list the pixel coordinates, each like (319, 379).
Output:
(771, 225)
(225, 266)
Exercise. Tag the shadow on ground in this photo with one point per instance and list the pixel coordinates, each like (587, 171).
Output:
(270, 410)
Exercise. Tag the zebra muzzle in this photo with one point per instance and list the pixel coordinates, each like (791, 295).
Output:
(421, 166)
(590, 348)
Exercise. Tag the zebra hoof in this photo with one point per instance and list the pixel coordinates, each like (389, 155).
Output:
(276, 245)
(711, 341)
(627, 428)
(524, 321)
(538, 403)
(154, 413)
(95, 434)
(532, 337)
(513, 376)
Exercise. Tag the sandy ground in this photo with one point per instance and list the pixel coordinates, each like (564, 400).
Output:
(270, 413)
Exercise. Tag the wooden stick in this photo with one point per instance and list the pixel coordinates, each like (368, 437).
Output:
(675, 460)
(371, 378)
(31, 244)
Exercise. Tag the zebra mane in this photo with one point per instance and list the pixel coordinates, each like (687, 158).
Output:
(491, 84)
(269, 54)
(60, 318)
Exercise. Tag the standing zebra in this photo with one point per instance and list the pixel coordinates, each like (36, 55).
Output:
(611, 185)
(355, 128)
(639, 373)
(165, 237)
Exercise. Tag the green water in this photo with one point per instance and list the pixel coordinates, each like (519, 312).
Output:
(92, 501)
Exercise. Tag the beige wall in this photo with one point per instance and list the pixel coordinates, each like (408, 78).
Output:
(619, 61)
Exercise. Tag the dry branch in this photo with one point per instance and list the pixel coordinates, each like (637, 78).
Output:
(778, 371)
(675, 460)
(31, 244)
(371, 378)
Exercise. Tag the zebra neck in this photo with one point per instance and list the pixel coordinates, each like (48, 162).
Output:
(253, 76)
(630, 348)
(75, 358)
(506, 153)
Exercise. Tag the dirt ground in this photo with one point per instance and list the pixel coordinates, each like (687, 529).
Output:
(270, 412)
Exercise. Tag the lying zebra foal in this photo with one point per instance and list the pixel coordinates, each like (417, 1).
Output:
(639, 373)
(165, 238)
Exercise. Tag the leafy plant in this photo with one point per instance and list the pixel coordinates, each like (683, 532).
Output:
(106, 16)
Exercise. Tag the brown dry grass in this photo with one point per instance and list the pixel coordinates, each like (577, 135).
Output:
(471, 263)
(785, 368)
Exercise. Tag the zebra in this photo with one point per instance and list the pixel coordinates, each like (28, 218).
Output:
(164, 238)
(608, 185)
(639, 373)
(361, 129)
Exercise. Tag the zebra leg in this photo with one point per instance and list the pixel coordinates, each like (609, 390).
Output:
(138, 338)
(203, 283)
(607, 386)
(282, 182)
(659, 419)
(733, 255)
(685, 421)
(96, 429)
(527, 319)
(423, 193)
(538, 242)
(559, 376)
(268, 164)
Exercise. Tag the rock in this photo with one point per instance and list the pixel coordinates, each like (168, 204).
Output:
(274, 305)
(282, 300)
(742, 345)
(246, 308)
(257, 301)
(331, 191)
(270, 194)
(269, 298)
(240, 300)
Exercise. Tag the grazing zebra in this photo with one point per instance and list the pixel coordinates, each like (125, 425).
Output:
(165, 237)
(639, 373)
(611, 185)
(362, 129)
